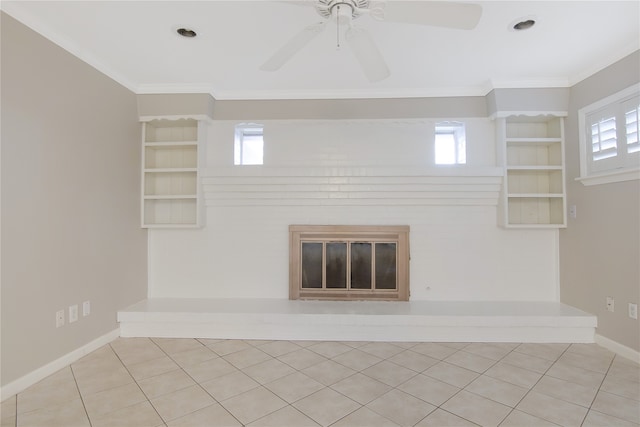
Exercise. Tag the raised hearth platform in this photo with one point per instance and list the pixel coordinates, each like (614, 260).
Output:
(279, 319)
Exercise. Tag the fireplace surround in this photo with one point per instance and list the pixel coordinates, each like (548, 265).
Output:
(349, 262)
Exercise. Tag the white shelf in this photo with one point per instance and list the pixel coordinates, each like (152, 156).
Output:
(170, 131)
(551, 195)
(172, 196)
(170, 165)
(534, 128)
(170, 211)
(534, 168)
(170, 156)
(532, 152)
(171, 144)
(172, 170)
(538, 210)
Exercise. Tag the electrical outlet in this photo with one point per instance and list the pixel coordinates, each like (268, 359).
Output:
(73, 313)
(610, 304)
(59, 318)
(633, 311)
(573, 211)
(86, 308)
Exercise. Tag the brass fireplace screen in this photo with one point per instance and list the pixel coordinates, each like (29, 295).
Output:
(349, 262)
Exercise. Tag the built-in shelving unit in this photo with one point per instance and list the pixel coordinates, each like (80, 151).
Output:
(534, 186)
(170, 183)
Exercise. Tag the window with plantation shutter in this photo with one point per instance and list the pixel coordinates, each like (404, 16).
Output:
(603, 139)
(609, 143)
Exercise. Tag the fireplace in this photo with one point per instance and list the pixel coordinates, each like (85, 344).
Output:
(346, 262)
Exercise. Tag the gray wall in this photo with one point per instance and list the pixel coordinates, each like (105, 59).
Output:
(600, 249)
(70, 200)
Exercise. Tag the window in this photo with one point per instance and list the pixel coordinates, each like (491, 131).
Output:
(248, 146)
(450, 144)
(609, 145)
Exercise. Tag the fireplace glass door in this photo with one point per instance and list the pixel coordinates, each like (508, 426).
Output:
(349, 265)
(345, 262)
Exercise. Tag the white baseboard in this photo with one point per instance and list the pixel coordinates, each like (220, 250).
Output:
(41, 373)
(618, 348)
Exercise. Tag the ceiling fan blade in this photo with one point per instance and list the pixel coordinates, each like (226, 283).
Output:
(292, 47)
(463, 16)
(367, 54)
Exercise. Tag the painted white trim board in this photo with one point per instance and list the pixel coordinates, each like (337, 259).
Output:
(41, 373)
(619, 349)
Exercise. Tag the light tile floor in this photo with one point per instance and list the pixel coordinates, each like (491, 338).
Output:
(138, 382)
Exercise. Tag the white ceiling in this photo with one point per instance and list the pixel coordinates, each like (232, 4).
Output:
(136, 44)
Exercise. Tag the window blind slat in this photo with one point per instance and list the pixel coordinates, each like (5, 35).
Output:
(604, 139)
(631, 118)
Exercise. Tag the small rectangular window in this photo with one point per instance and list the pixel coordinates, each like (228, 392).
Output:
(249, 144)
(450, 144)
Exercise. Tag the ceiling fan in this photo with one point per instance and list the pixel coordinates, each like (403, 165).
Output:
(464, 16)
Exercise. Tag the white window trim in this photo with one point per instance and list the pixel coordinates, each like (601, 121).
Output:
(458, 130)
(586, 177)
(240, 131)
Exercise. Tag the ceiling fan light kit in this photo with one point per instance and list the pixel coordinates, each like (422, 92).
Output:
(464, 16)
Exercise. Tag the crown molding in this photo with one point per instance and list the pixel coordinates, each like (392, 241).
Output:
(604, 63)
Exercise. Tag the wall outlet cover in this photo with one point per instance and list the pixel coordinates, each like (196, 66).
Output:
(86, 308)
(59, 318)
(633, 311)
(73, 313)
(610, 304)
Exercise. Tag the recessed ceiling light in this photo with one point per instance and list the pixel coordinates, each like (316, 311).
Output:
(185, 32)
(524, 25)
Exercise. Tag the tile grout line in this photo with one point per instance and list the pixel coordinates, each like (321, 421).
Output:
(483, 373)
(409, 379)
(194, 380)
(330, 386)
(417, 372)
(16, 421)
(461, 388)
(595, 396)
(73, 374)
(375, 379)
(530, 388)
(598, 388)
(362, 405)
(238, 369)
(136, 381)
(457, 350)
(402, 349)
(604, 377)
(323, 385)
(540, 379)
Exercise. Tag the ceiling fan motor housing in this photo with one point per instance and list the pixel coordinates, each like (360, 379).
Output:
(325, 8)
